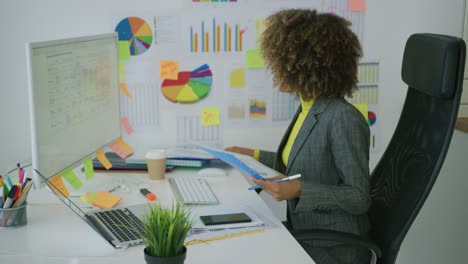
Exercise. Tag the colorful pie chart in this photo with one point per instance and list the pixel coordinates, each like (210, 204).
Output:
(137, 32)
(190, 86)
(372, 118)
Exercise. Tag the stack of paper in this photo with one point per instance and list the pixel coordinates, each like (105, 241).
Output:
(202, 233)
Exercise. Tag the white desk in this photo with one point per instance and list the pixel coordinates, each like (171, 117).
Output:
(55, 234)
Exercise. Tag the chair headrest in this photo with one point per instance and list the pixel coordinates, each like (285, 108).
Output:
(430, 63)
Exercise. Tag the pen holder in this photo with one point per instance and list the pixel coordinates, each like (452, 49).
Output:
(13, 217)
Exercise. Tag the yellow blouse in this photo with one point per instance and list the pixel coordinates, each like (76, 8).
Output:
(306, 106)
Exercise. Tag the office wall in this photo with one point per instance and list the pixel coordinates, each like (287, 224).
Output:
(438, 235)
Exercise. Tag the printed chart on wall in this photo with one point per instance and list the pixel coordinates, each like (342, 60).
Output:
(137, 33)
(366, 100)
(198, 70)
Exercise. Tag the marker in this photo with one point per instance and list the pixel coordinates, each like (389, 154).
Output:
(21, 175)
(25, 183)
(149, 195)
(278, 181)
(9, 182)
(11, 196)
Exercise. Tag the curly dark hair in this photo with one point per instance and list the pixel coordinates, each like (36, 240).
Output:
(311, 54)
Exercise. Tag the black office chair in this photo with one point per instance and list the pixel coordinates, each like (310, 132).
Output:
(433, 68)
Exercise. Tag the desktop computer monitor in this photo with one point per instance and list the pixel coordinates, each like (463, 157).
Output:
(74, 101)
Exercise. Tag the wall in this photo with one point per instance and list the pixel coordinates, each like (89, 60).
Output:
(440, 230)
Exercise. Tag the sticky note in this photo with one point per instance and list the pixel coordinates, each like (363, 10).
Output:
(169, 70)
(126, 124)
(254, 59)
(122, 75)
(88, 196)
(124, 50)
(237, 78)
(118, 150)
(357, 5)
(123, 145)
(72, 179)
(88, 168)
(123, 88)
(363, 108)
(105, 200)
(103, 159)
(58, 186)
(210, 116)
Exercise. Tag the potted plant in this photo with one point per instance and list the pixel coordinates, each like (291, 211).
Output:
(165, 233)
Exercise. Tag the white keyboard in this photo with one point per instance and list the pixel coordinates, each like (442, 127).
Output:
(193, 190)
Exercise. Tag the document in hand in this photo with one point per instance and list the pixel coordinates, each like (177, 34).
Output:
(233, 161)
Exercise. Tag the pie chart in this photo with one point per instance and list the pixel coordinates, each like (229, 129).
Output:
(190, 86)
(137, 32)
(372, 118)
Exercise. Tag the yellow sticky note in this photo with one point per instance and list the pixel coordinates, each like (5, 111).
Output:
(125, 146)
(126, 124)
(122, 76)
(364, 110)
(72, 179)
(105, 200)
(169, 70)
(103, 159)
(123, 88)
(357, 5)
(59, 187)
(237, 78)
(210, 116)
(124, 50)
(254, 59)
(88, 168)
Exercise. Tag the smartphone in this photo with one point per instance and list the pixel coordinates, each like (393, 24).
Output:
(225, 219)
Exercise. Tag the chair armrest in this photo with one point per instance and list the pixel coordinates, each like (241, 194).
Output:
(337, 236)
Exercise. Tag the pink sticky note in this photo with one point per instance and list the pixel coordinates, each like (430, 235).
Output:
(357, 5)
(118, 150)
(126, 124)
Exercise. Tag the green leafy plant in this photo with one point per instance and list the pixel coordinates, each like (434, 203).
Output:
(166, 229)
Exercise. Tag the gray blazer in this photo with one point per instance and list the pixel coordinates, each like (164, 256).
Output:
(331, 151)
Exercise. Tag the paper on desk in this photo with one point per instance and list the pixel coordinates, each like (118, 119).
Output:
(205, 235)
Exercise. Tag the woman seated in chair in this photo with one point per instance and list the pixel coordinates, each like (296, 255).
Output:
(315, 56)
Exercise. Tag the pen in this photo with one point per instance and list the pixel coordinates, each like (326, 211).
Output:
(18, 166)
(149, 195)
(278, 181)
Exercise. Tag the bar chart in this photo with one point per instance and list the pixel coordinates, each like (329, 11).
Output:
(215, 36)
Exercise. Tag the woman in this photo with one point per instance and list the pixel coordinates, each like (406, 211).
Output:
(315, 57)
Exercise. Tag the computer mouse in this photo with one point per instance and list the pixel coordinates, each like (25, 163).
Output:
(210, 172)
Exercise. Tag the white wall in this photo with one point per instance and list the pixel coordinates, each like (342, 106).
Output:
(440, 230)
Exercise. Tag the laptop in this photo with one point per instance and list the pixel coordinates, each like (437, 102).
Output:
(120, 226)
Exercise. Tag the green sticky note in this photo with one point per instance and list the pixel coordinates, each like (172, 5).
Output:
(72, 179)
(88, 168)
(123, 78)
(254, 59)
(124, 50)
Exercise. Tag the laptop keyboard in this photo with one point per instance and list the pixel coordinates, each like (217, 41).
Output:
(193, 190)
(122, 223)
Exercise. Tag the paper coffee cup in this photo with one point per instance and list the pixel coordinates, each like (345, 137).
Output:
(156, 162)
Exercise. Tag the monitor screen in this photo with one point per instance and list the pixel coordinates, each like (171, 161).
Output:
(74, 100)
